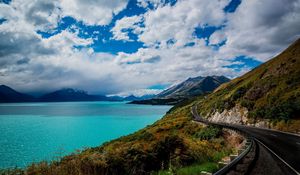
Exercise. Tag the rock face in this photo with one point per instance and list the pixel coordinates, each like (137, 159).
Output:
(236, 115)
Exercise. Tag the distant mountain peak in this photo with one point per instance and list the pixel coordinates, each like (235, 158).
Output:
(193, 86)
(8, 94)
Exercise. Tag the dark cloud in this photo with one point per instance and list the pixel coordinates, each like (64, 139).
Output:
(40, 12)
(23, 61)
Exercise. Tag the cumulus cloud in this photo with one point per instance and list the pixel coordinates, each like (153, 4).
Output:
(166, 22)
(217, 37)
(121, 29)
(31, 63)
(261, 29)
(178, 22)
(92, 12)
(138, 92)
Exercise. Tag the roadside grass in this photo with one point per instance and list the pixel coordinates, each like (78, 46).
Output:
(192, 170)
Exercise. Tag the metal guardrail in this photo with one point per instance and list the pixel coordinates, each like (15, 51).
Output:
(233, 163)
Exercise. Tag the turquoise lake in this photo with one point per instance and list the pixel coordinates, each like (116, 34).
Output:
(31, 132)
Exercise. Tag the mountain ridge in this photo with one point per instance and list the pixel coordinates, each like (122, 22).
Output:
(187, 89)
(193, 86)
(8, 95)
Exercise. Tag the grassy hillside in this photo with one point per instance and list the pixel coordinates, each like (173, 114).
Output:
(271, 91)
(170, 143)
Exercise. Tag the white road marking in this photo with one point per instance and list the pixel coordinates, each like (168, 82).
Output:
(278, 157)
(273, 135)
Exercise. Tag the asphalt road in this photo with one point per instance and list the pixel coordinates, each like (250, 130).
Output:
(283, 146)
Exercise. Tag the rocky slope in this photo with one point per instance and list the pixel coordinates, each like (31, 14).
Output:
(268, 96)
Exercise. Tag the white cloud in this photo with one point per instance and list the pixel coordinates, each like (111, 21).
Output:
(31, 63)
(138, 92)
(120, 30)
(93, 12)
(154, 3)
(178, 22)
(168, 22)
(217, 37)
(261, 29)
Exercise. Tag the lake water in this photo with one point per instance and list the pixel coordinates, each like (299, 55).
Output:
(31, 132)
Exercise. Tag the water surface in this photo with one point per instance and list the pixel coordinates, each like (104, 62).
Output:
(31, 132)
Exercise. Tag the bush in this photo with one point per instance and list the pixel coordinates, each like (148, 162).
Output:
(208, 133)
(239, 93)
(247, 104)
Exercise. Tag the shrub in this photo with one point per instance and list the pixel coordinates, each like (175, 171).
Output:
(208, 133)
(247, 104)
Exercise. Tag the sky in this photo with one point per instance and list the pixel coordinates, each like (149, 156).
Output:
(139, 46)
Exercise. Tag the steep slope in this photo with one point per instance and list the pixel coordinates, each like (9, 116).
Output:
(192, 87)
(269, 93)
(8, 94)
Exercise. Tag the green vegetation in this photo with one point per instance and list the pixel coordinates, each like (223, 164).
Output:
(191, 170)
(270, 91)
(208, 133)
(173, 142)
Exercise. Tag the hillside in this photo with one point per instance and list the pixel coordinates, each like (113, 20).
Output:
(268, 96)
(8, 94)
(185, 90)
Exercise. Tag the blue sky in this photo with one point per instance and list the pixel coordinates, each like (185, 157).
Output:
(123, 47)
(104, 43)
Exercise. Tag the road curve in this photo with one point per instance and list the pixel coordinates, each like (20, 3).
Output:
(284, 147)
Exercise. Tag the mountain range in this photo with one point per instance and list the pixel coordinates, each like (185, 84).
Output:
(185, 90)
(8, 95)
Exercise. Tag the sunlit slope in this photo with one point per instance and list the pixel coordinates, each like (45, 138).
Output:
(270, 91)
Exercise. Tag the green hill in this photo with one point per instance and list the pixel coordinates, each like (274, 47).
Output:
(270, 92)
